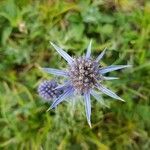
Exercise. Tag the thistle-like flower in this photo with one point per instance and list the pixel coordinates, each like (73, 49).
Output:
(47, 91)
(84, 75)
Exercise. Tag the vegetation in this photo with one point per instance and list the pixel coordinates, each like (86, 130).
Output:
(27, 26)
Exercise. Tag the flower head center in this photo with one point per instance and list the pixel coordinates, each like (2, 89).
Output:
(84, 74)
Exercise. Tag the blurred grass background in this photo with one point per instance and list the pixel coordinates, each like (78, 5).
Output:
(27, 26)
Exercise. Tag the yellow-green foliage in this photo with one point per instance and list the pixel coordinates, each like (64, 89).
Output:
(27, 26)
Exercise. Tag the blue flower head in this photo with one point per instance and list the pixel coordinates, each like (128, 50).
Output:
(47, 91)
(84, 76)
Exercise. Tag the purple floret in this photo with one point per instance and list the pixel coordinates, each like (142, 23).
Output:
(47, 90)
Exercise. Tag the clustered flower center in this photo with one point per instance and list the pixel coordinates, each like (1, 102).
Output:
(84, 74)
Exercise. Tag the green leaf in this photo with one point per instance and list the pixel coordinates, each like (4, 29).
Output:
(5, 34)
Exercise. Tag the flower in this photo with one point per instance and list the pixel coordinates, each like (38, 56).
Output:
(84, 75)
(46, 90)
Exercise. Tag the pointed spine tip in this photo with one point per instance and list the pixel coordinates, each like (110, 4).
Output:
(49, 109)
(105, 48)
(90, 124)
(121, 99)
(51, 43)
(43, 69)
(40, 68)
(110, 78)
(129, 65)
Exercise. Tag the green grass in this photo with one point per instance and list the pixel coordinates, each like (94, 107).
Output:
(27, 26)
